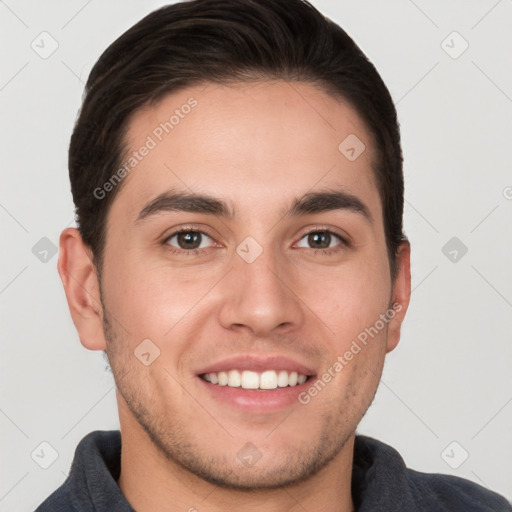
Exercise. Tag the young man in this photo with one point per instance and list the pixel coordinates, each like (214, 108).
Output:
(237, 175)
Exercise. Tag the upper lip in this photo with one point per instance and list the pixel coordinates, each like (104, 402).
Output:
(257, 364)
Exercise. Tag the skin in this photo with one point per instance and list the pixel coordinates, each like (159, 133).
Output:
(258, 147)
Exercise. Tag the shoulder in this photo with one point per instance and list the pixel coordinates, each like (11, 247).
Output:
(92, 481)
(59, 501)
(453, 493)
(382, 480)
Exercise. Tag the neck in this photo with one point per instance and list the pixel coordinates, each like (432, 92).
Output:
(150, 482)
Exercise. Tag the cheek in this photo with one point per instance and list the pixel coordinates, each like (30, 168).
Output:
(154, 300)
(348, 299)
(355, 301)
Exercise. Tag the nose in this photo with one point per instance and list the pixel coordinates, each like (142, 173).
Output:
(259, 297)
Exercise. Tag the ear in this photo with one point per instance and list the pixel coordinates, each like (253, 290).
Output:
(81, 285)
(401, 294)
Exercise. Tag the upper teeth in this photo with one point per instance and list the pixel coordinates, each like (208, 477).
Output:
(269, 379)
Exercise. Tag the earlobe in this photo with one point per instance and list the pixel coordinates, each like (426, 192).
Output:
(80, 281)
(401, 294)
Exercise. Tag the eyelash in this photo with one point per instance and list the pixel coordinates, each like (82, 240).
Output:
(317, 252)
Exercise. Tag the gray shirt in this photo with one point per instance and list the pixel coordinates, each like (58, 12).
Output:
(380, 482)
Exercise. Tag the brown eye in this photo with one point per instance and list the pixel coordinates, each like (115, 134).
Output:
(189, 240)
(321, 240)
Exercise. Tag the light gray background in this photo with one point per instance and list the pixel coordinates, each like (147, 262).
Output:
(449, 379)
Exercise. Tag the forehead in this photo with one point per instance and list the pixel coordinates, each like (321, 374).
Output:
(248, 143)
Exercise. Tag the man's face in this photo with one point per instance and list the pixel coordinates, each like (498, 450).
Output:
(263, 289)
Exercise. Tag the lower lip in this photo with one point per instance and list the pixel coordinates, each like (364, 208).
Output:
(253, 400)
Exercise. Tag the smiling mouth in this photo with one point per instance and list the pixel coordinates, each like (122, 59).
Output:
(246, 379)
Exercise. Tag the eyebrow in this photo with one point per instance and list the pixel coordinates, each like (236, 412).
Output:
(318, 202)
(186, 202)
(310, 203)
